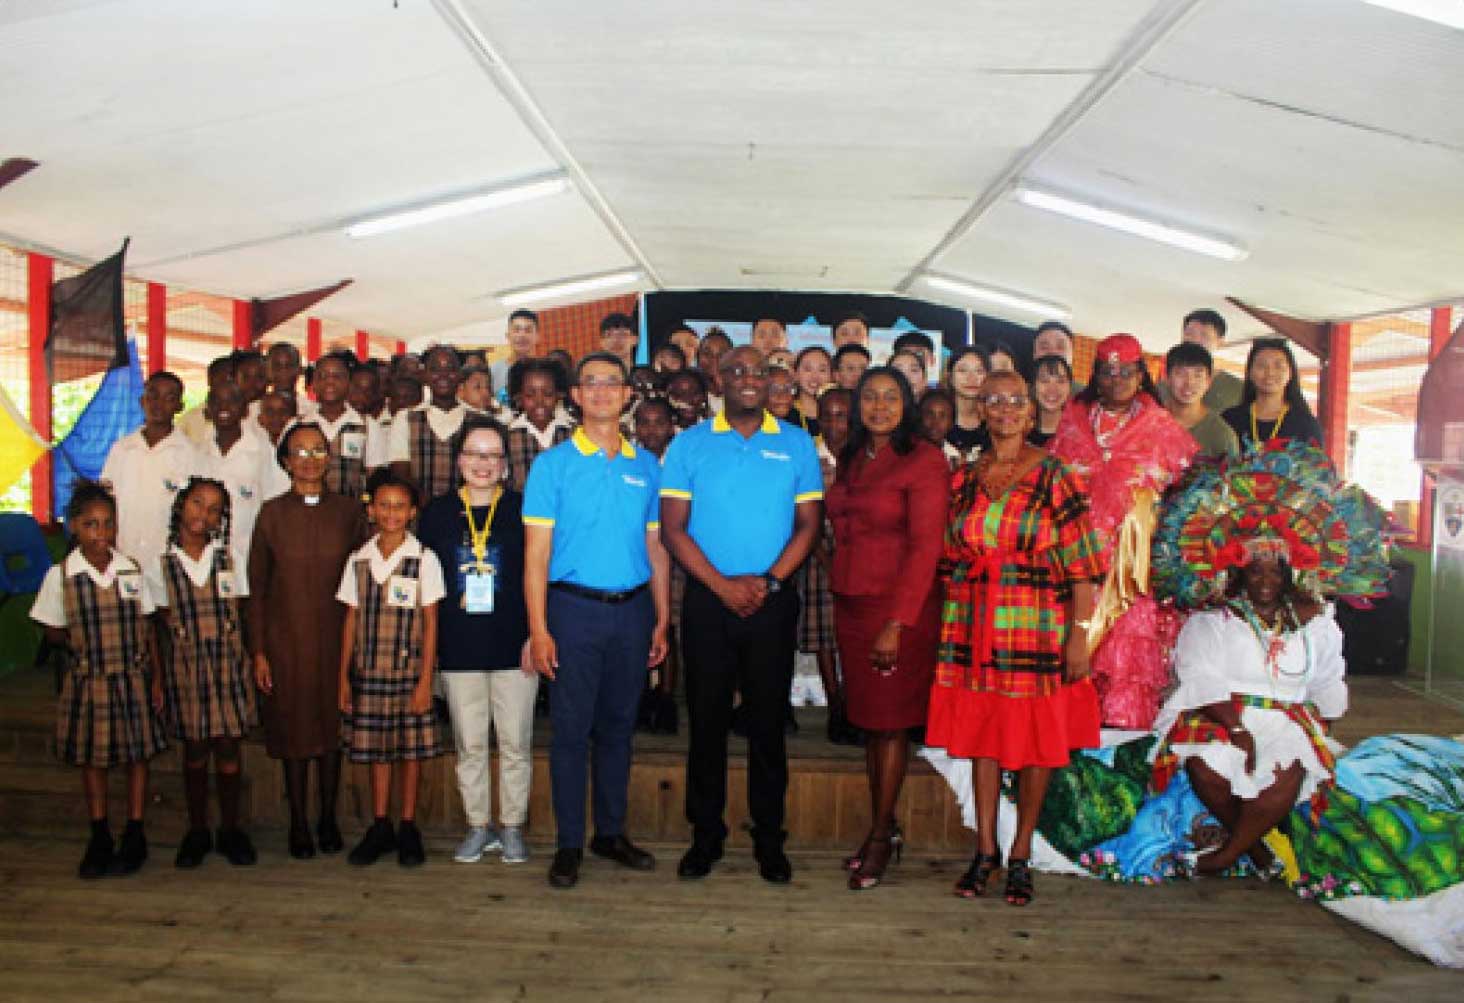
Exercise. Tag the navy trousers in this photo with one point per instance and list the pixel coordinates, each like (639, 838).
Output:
(593, 702)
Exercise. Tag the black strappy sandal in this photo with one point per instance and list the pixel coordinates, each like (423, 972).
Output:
(1019, 881)
(973, 882)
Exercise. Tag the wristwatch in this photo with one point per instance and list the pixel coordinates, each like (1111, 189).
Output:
(775, 584)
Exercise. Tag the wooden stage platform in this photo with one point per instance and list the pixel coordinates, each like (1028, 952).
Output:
(321, 930)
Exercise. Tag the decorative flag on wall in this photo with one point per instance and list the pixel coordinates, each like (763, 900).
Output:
(87, 334)
(266, 315)
(114, 411)
(20, 446)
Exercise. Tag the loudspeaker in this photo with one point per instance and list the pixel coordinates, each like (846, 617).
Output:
(1375, 640)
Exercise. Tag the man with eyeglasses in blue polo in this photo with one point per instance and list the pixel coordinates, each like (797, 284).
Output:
(741, 505)
(597, 588)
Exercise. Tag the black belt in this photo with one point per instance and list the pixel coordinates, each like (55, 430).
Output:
(599, 595)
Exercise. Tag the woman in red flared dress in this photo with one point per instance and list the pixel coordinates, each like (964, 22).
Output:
(1011, 685)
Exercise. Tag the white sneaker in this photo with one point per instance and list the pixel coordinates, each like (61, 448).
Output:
(515, 847)
(480, 840)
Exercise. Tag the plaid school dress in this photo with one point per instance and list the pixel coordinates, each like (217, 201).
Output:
(385, 670)
(816, 614)
(523, 449)
(104, 714)
(210, 692)
(346, 475)
(431, 457)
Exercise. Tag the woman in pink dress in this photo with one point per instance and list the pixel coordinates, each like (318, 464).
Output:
(1128, 449)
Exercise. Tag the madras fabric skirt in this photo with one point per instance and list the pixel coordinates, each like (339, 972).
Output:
(816, 616)
(211, 698)
(1015, 731)
(106, 720)
(380, 728)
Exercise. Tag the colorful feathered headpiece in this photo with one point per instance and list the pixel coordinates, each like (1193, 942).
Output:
(1283, 500)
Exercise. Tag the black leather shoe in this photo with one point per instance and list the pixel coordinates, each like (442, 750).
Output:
(379, 839)
(564, 871)
(131, 851)
(195, 846)
(623, 852)
(772, 862)
(328, 835)
(302, 847)
(97, 860)
(237, 847)
(410, 851)
(698, 860)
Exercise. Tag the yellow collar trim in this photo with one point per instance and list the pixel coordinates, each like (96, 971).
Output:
(769, 423)
(587, 446)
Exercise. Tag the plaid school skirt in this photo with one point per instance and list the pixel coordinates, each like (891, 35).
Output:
(816, 616)
(380, 728)
(106, 720)
(209, 697)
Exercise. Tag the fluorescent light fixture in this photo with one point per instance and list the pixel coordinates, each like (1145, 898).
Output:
(1449, 13)
(1215, 247)
(999, 297)
(569, 287)
(465, 206)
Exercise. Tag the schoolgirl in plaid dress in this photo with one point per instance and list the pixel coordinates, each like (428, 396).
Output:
(391, 588)
(346, 432)
(198, 585)
(94, 605)
(536, 388)
(421, 438)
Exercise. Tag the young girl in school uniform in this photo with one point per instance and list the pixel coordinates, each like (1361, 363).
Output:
(95, 606)
(390, 587)
(346, 432)
(198, 585)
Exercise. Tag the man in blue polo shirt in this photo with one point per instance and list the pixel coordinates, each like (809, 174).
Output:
(741, 503)
(592, 548)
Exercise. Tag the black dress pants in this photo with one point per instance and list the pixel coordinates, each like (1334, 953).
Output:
(723, 653)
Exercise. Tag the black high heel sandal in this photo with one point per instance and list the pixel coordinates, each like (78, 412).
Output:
(1019, 881)
(863, 878)
(973, 882)
(897, 840)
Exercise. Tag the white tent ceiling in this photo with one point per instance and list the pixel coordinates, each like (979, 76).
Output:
(830, 144)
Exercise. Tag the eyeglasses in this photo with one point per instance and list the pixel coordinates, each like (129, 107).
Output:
(318, 453)
(601, 382)
(1117, 372)
(482, 454)
(740, 372)
(994, 401)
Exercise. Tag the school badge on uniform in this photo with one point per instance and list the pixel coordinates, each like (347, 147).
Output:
(224, 580)
(353, 445)
(401, 592)
(129, 585)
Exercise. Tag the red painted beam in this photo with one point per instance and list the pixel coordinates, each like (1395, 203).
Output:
(243, 324)
(1440, 321)
(157, 327)
(401, 348)
(1336, 375)
(312, 339)
(40, 271)
(363, 345)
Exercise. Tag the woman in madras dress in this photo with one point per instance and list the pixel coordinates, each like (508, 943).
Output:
(1021, 565)
(1128, 450)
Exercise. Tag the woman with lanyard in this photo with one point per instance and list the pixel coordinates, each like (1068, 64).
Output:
(1271, 405)
(477, 533)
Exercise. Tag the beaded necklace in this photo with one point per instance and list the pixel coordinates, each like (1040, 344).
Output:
(1273, 641)
(1104, 439)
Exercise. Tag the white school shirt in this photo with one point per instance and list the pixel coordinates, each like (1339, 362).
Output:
(433, 588)
(378, 439)
(50, 605)
(145, 479)
(244, 469)
(197, 572)
(444, 425)
(544, 438)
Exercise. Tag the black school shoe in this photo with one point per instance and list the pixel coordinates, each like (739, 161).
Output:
(195, 846)
(131, 851)
(97, 860)
(237, 847)
(410, 851)
(379, 839)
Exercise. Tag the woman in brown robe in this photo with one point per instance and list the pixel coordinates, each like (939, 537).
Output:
(300, 546)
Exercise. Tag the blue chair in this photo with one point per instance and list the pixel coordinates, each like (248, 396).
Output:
(24, 557)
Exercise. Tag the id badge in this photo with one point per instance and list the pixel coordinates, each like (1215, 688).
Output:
(224, 580)
(353, 445)
(401, 592)
(478, 591)
(129, 586)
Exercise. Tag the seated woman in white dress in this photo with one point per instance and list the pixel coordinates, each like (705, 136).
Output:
(1258, 678)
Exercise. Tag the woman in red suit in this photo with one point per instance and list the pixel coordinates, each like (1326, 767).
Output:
(888, 508)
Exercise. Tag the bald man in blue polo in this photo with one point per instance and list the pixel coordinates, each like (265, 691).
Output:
(741, 505)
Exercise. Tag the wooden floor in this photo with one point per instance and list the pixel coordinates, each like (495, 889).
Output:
(321, 930)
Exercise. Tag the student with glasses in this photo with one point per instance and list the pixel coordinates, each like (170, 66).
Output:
(300, 546)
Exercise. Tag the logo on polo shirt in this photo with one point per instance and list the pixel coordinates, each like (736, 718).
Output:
(769, 454)
(635, 481)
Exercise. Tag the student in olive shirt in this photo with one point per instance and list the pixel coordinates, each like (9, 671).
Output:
(1189, 371)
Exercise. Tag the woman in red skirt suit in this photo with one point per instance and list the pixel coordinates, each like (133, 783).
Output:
(888, 509)
(1021, 564)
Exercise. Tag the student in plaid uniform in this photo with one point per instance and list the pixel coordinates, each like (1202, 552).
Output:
(421, 438)
(94, 606)
(536, 387)
(391, 588)
(198, 585)
(1021, 564)
(346, 432)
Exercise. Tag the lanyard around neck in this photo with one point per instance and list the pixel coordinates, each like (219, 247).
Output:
(1275, 429)
(479, 539)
